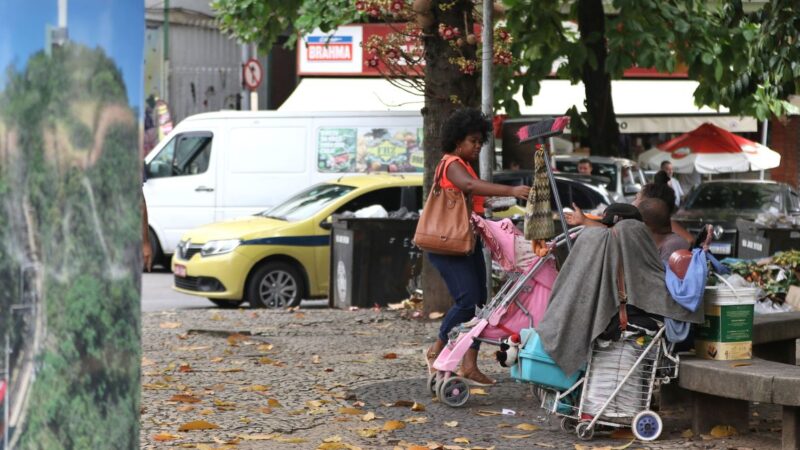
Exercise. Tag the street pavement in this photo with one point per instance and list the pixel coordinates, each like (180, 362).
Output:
(257, 379)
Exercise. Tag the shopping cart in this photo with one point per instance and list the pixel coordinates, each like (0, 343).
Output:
(618, 386)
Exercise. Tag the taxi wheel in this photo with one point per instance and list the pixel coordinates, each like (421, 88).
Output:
(275, 285)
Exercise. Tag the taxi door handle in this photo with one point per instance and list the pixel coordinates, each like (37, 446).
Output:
(203, 189)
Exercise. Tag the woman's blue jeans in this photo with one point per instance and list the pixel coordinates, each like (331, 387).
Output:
(465, 277)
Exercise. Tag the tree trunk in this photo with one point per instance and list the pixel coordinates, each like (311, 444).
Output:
(603, 128)
(446, 89)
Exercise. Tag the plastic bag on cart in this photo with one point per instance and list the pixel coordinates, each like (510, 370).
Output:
(611, 361)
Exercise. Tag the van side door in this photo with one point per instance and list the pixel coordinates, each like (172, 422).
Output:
(180, 186)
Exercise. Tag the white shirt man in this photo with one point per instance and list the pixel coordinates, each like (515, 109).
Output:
(666, 166)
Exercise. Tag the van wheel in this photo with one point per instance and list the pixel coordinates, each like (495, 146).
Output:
(158, 254)
(226, 304)
(275, 285)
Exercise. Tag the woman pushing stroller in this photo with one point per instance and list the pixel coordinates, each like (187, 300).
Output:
(463, 134)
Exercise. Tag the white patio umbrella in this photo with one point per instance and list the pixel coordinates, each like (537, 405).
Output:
(710, 149)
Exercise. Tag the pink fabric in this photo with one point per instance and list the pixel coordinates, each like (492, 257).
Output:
(498, 237)
(535, 301)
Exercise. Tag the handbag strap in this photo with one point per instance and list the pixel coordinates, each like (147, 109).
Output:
(623, 294)
(439, 173)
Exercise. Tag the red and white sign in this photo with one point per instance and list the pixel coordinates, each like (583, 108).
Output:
(252, 74)
(334, 53)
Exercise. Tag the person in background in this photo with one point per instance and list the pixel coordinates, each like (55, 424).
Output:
(655, 213)
(585, 166)
(463, 134)
(673, 182)
(147, 250)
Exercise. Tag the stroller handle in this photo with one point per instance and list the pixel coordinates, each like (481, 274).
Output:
(562, 238)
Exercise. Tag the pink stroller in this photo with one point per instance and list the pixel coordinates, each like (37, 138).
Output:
(520, 303)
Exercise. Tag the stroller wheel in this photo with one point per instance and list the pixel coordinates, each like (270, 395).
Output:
(568, 424)
(431, 383)
(584, 432)
(454, 392)
(647, 426)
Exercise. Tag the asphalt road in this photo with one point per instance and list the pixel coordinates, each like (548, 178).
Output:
(158, 295)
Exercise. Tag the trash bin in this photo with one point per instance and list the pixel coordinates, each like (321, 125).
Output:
(757, 241)
(372, 261)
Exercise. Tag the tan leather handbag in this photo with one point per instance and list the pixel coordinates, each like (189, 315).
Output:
(444, 226)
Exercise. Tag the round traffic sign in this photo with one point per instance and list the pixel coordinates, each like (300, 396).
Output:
(252, 74)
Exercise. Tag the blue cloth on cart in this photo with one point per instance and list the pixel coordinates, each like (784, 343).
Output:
(676, 330)
(688, 292)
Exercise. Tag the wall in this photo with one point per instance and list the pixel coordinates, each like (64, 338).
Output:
(70, 224)
(785, 139)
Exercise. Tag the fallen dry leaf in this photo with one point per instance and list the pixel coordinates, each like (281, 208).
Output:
(622, 433)
(197, 425)
(401, 404)
(206, 412)
(336, 438)
(461, 440)
(687, 434)
(741, 364)
(516, 436)
(218, 359)
(185, 408)
(258, 437)
(291, 440)
(392, 425)
(368, 432)
(273, 403)
(169, 325)
(216, 316)
(723, 431)
(435, 315)
(390, 356)
(299, 315)
(368, 416)
(477, 391)
(231, 370)
(335, 446)
(183, 398)
(162, 437)
(527, 427)
(255, 388)
(416, 420)
(315, 359)
(351, 411)
(486, 413)
(264, 347)
(451, 424)
(417, 407)
(185, 368)
(236, 339)
(544, 444)
(147, 361)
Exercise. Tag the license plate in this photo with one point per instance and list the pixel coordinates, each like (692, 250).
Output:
(720, 248)
(179, 270)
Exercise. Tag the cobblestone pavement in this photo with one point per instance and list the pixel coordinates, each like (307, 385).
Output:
(294, 379)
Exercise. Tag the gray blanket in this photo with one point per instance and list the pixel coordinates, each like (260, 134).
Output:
(584, 297)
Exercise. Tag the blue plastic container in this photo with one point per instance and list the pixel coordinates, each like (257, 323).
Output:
(536, 366)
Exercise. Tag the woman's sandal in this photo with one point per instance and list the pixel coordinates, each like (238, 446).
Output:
(477, 378)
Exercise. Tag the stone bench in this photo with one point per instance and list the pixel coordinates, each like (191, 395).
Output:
(721, 390)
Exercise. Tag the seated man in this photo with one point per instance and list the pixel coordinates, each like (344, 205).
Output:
(655, 213)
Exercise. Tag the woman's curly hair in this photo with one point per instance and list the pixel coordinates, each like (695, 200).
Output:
(462, 122)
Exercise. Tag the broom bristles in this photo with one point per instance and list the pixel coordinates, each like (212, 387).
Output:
(542, 129)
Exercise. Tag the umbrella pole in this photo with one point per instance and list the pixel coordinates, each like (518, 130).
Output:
(555, 193)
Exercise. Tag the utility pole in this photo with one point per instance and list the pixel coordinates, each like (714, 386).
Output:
(165, 72)
(487, 100)
(245, 104)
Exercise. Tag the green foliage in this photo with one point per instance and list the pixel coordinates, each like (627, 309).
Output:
(87, 230)
(265, 21)
(746, 62)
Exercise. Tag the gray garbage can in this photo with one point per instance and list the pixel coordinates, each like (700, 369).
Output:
(372, 261)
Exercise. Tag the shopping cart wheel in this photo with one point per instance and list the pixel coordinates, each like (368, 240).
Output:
(584, 432)
(454, 392)
(568, 424)
(647, 426)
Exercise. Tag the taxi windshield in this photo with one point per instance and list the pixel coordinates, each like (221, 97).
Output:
(307, 202)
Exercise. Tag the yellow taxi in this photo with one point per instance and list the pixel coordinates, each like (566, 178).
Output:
(280, 256)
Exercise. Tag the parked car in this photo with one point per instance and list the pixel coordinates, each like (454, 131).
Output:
(625, 177)
(586, 192)
(282, 255)
(720, 203)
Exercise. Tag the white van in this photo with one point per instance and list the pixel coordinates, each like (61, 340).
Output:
(227, 164)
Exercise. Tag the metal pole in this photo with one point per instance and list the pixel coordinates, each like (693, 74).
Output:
(245, 93)
(165, 72)
(487, 103)
(555, 194)
(7, 362)
(764, 128)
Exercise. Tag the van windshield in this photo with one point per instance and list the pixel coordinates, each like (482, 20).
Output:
(307, 202)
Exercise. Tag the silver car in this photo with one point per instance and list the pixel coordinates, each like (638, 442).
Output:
(625, 178)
